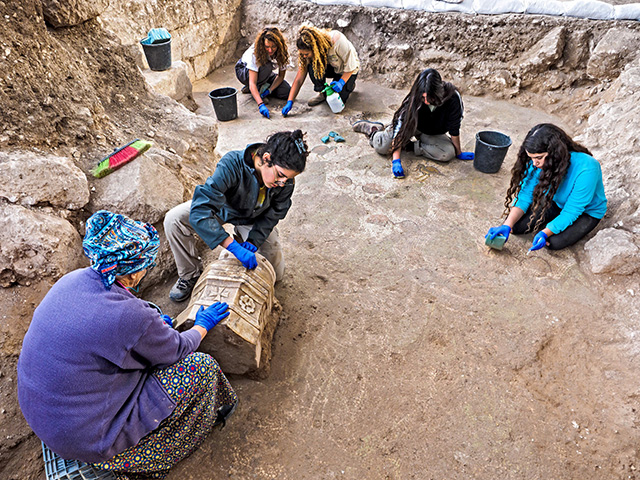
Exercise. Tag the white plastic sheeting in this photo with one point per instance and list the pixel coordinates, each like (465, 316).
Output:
(593, 9)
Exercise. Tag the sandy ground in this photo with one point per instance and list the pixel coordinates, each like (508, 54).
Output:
(409, 349)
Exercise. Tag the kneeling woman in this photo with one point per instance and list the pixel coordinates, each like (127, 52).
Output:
(255, 69)
(324, 54)
(103, 379)
(556, 190)
(431, 109)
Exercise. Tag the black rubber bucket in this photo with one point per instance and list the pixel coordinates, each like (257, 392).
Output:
(225, 103)
(158, 54)
(491, 149)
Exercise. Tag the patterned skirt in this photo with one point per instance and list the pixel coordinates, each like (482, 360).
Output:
(200, 389)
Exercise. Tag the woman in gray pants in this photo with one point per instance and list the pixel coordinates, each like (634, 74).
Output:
(250, 189)
(431, 109)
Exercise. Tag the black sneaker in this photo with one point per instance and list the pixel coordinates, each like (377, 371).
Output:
(182, 289)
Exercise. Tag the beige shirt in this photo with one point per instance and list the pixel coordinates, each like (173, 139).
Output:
(342, 55)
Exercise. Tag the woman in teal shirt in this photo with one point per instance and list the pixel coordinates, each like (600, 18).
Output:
(556, 190)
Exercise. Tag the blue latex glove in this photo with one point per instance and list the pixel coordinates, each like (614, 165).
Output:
(503, 230)
(264, 110)
(539, 241)
(249, 246)
(465, 156)
(287, 108)
(337, 86)
(246, 257)
(398, 172)
(209, 317)
(167, 320)
(265, 93)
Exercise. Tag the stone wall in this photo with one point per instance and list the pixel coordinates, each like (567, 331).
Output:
(204, 33)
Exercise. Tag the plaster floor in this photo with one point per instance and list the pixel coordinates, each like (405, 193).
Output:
(410, 350)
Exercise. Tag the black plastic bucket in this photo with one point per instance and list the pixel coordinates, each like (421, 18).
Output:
(225, 103)
(491, 149)
(158, 54)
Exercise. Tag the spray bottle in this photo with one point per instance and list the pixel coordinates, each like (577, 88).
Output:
(333, 99)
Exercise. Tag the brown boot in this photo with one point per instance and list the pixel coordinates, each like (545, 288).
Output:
(317, 100)
(367, 127)
(245, 89)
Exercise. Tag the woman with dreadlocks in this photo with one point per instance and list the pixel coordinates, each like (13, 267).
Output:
(431, 109)
(556, 191)
(324, 54)
(255, 70)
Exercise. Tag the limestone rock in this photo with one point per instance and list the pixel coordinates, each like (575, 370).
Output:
(34, 245)
(242, 342)
(613, 251)
(173, 83)
(545, 53)
(30, 178)
(66, 13)
(612, 53)
(143, 189)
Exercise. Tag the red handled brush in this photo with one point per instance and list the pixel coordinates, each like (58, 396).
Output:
(119, 157)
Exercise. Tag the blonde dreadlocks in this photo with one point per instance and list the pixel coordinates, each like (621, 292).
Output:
(273, 34)
(318, 42)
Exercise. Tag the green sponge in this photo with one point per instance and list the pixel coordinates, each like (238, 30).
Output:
(497, 242)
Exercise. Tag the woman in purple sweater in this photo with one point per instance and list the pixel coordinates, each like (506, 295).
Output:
(102, 378)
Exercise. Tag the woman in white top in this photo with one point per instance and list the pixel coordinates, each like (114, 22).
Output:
(255, 70)
(324, 54)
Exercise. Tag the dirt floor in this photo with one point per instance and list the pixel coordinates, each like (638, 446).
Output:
(411, 350)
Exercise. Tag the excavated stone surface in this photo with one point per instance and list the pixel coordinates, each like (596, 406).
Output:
(613, 53)
(67, 13)
(143, 189)
(203, 34)
(31, 178)
(173, 82)
(35, 245)
(613, 251)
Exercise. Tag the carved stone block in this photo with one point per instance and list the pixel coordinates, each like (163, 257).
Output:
(242, 342)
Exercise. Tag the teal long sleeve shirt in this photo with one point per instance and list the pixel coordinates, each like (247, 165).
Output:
(581, 191)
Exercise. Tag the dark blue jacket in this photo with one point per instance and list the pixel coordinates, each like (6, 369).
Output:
(85, 382)
(231, 194)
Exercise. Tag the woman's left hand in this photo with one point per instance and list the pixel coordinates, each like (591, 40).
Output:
(337, 86)
(539, 241)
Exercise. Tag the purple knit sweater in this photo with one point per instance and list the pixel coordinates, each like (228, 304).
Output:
(84, 374)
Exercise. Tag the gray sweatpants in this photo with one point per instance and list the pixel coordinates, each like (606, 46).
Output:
(181, 238)
(434, 147)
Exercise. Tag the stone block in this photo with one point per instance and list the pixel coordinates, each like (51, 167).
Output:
(143, 189)
(545, 53)
(31, 179)
(612, 53)
(66, 13)
(613, 251)
(35, 245)
(242, 342)
(173, 82)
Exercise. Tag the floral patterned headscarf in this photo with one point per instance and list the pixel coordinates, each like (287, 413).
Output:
(118, 245)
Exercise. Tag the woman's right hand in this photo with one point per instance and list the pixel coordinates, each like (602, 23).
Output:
(287, 108)
(503, 230)
(209, 317)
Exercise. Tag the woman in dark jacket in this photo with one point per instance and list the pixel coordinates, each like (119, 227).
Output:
(431, 109)
(250, 189)
(103, 378)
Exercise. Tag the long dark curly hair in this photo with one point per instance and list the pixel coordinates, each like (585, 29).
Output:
(287, 150)
(543, 138)
(430, 82)
(273, 34)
